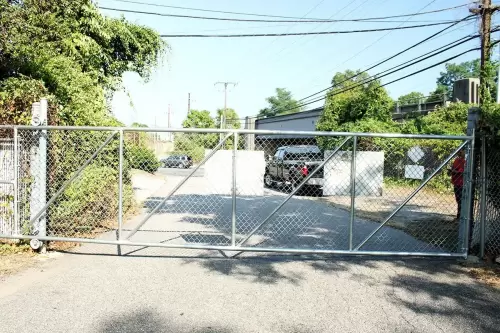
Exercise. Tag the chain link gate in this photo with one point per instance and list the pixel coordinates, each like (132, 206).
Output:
(257, 191)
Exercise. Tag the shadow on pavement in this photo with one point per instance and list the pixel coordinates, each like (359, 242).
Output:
(429, 286)
(300, 223)
(150, 321)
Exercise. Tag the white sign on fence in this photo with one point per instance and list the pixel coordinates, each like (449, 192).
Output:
(416, 154)
(414, 171)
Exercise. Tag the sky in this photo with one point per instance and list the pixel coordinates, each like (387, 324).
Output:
(259, 65)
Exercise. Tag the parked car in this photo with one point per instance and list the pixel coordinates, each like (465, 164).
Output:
(177, 161)
(291, 164)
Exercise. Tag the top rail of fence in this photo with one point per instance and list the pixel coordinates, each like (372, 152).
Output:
(241, 131)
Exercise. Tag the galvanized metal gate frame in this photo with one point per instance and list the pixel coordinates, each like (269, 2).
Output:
(237, 248)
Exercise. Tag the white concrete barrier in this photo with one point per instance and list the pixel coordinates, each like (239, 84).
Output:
(250, 167)
(369, 173)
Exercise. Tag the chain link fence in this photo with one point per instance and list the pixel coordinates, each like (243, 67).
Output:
(487, 231)
(249, 190)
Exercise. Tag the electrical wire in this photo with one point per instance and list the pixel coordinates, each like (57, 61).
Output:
(308, 33)
(395, 55)
(309, 39)
(287, 30)
(390, 82)
(279, 21)
(469, 22)
(378, 76)
(381, 37)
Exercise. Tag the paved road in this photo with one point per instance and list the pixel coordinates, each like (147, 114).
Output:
(85, 293)
(162, 290)
(200, 212)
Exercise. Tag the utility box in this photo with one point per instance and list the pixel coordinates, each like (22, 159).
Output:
(466, 91)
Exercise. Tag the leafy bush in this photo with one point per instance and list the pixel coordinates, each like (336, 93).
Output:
(141, 158)
(89, 202)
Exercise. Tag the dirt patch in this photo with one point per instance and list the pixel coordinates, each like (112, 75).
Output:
(489, 274)
(15, 257)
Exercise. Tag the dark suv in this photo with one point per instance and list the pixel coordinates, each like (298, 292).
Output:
(177, 161)
(291, 164)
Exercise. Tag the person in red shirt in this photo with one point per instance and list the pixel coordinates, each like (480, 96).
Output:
(457, 179)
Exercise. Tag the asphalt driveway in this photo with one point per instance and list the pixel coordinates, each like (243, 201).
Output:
(171, 293)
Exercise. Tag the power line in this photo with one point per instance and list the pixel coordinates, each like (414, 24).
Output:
(310, 33)
(435, 37)
(391, 70)
(289, 28)
(337, 12)
(248, 14)
(279, 21)
(382, 37)
(394, 56)
(378, 76)
(393, 81)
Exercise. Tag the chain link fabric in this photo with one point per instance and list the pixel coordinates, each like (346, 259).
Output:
(291, 191)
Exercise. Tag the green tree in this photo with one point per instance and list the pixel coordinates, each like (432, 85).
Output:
(411, 98)
(194, 144)
(73, 53)
(361, 100)
(232, 118)
(199, 119)
(67, 51)
(352, 100)
(282, 103)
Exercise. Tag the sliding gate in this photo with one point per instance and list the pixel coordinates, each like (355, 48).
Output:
(237, 190)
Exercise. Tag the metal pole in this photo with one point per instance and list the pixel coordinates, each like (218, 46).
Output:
(470, 192)
(498, 82)
(76, 174)
(133, 232)
(442, 165)
(233, 216)
(353, 189)
(16, 179)
(237, 248)
(120, 188)
(248, 131)
(483, 197)
(293, 192)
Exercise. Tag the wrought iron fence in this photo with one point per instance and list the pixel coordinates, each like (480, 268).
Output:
(242, 190)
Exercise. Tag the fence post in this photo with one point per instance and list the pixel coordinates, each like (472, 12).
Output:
(233, 215)
(353, 189)
(17, 227)
(39, 169)
(120, 192)
(482, 231)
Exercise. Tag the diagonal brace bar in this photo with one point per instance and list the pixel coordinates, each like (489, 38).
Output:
(76, 174)
(133, 232)
(428, 179)
(293, 192)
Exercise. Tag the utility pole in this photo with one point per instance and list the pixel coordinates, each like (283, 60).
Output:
(485, 9)
(498, 80)
(189, 102)
(223, 115)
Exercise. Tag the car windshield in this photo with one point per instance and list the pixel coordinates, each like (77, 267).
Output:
(303, 153)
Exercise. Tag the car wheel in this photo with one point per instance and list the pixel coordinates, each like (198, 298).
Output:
(268, 180)
(293, 185)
